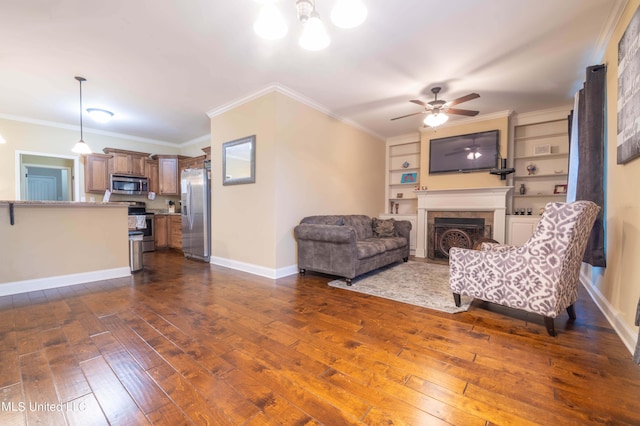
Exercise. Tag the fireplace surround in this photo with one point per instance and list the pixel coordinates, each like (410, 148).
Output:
(489, 203)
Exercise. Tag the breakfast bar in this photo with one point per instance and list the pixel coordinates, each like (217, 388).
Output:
(70, 242)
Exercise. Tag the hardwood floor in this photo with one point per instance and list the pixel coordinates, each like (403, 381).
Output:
(184, 342)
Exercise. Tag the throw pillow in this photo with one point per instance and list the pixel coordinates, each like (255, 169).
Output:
(384, 228)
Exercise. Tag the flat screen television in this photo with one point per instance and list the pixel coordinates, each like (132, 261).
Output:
(464, 153)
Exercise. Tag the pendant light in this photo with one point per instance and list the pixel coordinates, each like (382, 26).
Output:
(81, 146)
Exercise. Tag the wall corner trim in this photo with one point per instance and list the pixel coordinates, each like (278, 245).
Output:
(255, 269)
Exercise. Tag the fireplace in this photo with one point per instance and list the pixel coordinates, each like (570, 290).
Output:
(447, 229)
(486, 203)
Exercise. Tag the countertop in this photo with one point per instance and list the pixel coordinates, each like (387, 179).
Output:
(60, 203)
(164, 212)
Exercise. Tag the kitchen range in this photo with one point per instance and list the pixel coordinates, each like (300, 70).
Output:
(142, 221)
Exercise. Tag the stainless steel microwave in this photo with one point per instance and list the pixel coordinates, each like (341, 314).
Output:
(130, 185)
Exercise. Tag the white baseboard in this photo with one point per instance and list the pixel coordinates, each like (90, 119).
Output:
(26, 286)
(255, 269)
(626, 333)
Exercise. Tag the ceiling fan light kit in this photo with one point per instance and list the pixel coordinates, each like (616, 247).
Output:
(81, 146)
(437, 109)
(271, 24)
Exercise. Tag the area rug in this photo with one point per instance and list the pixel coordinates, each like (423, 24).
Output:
(417, 283)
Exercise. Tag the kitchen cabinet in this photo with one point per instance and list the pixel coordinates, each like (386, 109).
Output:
(96, 172)
(192, 163)
(151, 172)
(520, 228)
(175, 228)
(161, 231)
(207, 153)
(127, 162)
(168, 231)
(168, 175)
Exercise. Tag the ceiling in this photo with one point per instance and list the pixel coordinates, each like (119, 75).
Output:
(160, 66)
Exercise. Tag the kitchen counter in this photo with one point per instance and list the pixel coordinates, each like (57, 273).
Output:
(51, 243)
(163, 212)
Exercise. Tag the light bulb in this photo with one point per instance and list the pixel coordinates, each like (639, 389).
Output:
(314, 36)
(81, 147)
(348, 13)
(436, 119)
(270, 24)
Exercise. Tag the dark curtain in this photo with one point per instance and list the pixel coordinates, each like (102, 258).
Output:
(591, 156)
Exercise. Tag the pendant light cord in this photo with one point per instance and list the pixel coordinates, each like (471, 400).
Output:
(80, 80)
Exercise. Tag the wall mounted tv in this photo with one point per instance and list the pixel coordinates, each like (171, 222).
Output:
(464, 153)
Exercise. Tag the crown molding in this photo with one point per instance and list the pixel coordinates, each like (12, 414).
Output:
(549, 114)
(608, 28)
(407, 138)
(196, 141)
(279, 88)
(85, 129)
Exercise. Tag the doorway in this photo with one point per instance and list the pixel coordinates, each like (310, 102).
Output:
(44, 177)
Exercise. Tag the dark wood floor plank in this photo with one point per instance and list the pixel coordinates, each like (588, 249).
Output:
(112, 396)
(132, 376)
(136, 346)
(13, 408)
(85, 411)
(67, 375)
(39, 390)
(79, 340)
(187, 398)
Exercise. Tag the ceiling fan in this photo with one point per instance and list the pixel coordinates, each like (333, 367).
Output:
(437, 108)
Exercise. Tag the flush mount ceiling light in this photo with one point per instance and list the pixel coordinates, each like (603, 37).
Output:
(100, 115)
(81, 147)
(271, 24)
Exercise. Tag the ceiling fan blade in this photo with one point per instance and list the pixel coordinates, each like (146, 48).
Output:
(408, 115)
(462, 112)
(419, 102)
(469, 97)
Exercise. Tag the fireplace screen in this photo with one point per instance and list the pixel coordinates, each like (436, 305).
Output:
(446, 233)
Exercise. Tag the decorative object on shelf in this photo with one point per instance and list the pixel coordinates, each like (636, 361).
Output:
(397, 205)
(529, 211)
(541, 211)
(531, 168)
(523, 190)
(409, 178)
(560, 189)
(542, 149)
(558, 171)
(405, 165)
(399, 195)
(392, 204)
(424, 188)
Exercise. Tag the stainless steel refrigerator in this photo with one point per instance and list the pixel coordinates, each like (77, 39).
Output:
(195, 189)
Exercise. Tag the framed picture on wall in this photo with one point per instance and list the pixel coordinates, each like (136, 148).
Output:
(560, 189)
(409, 178)
(628, 144)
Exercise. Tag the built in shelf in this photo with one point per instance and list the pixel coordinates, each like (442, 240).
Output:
(404, 154)
(404, 184)
(408, 169)
(537, 137)
(554, 175)
(542, 157)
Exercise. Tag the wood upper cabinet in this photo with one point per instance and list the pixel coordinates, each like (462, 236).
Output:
(168, 175)
(192, 163)
(207, 153)
(96, 172)
(151, 171)
(127, 162)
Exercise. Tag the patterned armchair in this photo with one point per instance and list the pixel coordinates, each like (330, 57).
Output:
(541, 276)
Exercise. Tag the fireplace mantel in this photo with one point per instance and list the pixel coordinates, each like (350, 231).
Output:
(462, 199)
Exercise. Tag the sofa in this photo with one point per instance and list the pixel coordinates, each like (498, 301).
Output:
(350, 245)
